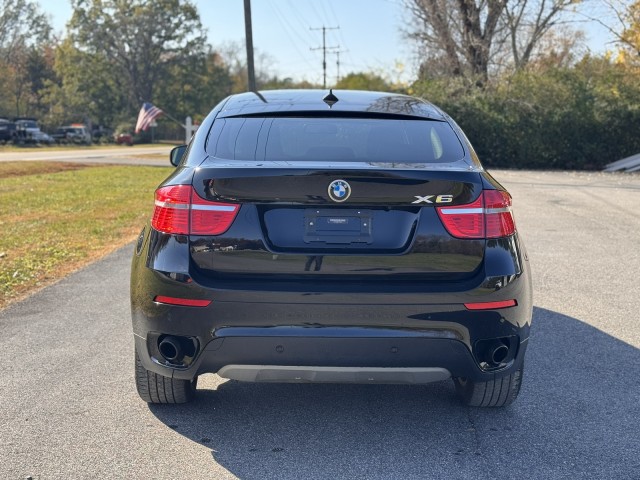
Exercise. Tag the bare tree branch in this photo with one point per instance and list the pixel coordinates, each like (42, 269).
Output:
(472, 38)
(627, 16)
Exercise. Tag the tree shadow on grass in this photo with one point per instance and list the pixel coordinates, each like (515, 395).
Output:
(577, 416)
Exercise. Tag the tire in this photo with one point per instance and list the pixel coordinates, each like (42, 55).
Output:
(154, 388)
(499, 392)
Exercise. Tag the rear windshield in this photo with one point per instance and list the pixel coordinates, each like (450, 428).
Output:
(334, 139)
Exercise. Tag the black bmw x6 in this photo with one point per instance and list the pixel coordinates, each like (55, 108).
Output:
(313, 236)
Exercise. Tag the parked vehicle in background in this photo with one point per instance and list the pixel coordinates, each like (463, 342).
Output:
(23, 131)
(124, 139)
(7, 131)
(43, 138)
(101, 134)
(75, 134)
(60, 135)
(27, 131)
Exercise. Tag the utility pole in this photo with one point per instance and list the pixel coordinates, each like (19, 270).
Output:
(249, 40)
(338, 52)
(324, 49)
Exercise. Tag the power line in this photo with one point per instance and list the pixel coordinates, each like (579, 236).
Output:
(311, 4)
(284, 21)
(333, 12)
(286, 26)
(324, 12)
(324, 49)
(341, 38)
(302, 20)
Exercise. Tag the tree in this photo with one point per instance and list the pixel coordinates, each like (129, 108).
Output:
(22, 25)
(363, 81)
(458, 33)
(233, 55)
(37, 70)
(630, 36)
(141, 39)
(24, 31)
(275, 82)
(470, 39)
(194, 85)
(86, 88)
(575, 117)
(527, 23)
(622, 19)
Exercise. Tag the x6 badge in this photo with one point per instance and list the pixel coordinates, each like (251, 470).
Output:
(439, 199)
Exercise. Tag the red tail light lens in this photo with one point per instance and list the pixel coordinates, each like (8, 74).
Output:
(179, 210)
(171, 213)
(211, 218)
(464, 221)
(488, 217)
(498, 215)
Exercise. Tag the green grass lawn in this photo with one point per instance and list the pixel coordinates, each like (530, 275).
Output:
(57, 217)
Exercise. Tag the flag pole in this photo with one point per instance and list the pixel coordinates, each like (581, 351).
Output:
(171, 118)
(166, 114)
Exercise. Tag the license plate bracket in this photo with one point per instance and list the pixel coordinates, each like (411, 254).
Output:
(333, 226)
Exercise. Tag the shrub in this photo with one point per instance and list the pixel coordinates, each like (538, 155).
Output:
(582, 117)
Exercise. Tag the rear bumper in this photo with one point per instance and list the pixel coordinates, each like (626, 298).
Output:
(340, 326)
(399, 359)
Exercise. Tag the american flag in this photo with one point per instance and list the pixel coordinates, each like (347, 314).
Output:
(148, 113)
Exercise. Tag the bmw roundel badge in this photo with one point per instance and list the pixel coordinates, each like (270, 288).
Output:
(339, 190)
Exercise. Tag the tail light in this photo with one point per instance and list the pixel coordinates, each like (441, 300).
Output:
(179, 210)
(171, 213)
(498, 216)
(489, 216)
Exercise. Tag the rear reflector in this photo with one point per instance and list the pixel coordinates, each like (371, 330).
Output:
(490, 305)
(179, 210)
(185, 302)
(488, 217)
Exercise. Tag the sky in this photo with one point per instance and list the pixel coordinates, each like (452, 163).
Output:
(369, 37)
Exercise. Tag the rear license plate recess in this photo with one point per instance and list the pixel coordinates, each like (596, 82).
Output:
(337, 226)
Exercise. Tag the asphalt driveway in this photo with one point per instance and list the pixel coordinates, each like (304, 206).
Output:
(70, 410)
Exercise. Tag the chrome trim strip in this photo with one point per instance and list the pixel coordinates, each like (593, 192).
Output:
(467, 211)
(214, 208)
(313, 374)
(461, 211)
(489, 211)
(178, 206)
(184, 206)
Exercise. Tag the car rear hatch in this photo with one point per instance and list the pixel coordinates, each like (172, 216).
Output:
(314, 197)
(288, 224)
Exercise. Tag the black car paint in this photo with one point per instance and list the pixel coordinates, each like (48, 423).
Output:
(385, 316)
(402, 310)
